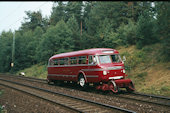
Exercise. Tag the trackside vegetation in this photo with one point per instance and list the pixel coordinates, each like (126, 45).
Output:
(142, 67)
(1, 107)
(139, 30)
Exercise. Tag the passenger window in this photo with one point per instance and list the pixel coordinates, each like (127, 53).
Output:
(73, 60)
(82, 60)
(56, 61)
(90, 59)
(62, 61)
(65, 61)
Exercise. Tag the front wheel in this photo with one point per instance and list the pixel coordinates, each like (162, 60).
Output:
(82, 81)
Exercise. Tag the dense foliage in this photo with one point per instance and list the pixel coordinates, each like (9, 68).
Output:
(80, 25)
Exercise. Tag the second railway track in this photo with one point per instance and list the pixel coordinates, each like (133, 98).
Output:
(141, 101)
(153, 99)
(73, 103)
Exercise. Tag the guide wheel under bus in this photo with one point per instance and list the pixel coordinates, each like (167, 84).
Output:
(113, 87)
(130, 88)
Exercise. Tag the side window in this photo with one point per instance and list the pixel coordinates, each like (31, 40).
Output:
(51, 63)
(61, 61)
(82, 60)
(73, 60)
(92, 60)
(65, 61)
(56, 61)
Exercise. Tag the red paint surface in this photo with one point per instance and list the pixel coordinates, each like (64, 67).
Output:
(89, 71)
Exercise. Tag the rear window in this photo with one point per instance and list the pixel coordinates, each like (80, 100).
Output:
(51, 62)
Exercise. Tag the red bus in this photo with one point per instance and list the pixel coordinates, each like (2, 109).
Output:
(101, 67)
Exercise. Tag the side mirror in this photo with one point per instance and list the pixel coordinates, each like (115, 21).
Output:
(124, 58)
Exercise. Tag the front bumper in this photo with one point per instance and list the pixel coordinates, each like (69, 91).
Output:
(123, 83)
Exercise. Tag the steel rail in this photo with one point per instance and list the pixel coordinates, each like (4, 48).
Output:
(77, 98)
(13, 75)
(155, 103)
(32, 79)
(52, 101)
(135, 93)
(149, 95)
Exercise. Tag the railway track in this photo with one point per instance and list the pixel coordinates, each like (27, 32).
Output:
(151, 99)
(73, 103)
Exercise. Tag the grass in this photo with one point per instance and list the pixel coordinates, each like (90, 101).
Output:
(38, 70)
(146, 70)
(142, 75)
(1, 92)
(1, 108)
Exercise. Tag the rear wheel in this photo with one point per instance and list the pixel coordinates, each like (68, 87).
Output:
(49, 82)
(56, 82)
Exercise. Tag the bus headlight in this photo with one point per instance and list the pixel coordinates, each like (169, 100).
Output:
(104, 72)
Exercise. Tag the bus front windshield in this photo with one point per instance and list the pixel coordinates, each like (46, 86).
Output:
(115, 58)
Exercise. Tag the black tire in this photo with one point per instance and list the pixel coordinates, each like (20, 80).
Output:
(49, 82)
(56, 82)
(82, 81)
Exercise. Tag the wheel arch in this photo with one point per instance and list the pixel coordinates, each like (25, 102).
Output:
(82, 73)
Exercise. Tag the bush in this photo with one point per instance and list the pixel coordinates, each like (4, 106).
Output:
(165, 88)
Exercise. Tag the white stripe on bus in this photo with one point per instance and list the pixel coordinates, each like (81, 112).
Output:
(103, 69)
(91, 76)
(88, 76)
(61, 75)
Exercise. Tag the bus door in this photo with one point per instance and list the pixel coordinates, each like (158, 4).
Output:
(92, 73)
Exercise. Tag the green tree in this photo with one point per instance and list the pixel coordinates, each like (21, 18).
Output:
(145, 30)
(74, 9)
(58, 13)
(163, 25)
(6, 41)
(105, 16)
(56, 40)
(33, 20)
(127, 34)
(136, 9)
(37, 37)
(75, 35)
(24, 50)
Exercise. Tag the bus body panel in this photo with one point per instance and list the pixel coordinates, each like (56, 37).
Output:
(92, 73)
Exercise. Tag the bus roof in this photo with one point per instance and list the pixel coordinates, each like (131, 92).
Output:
(93, 51)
